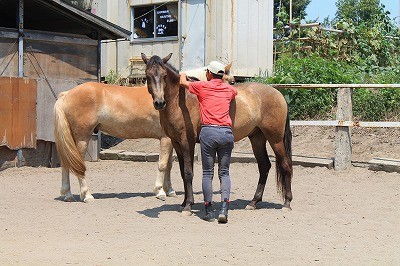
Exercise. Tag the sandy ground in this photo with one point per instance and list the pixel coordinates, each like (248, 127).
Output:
(350, 217)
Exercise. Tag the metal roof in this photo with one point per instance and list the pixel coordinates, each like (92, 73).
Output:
(58, 16)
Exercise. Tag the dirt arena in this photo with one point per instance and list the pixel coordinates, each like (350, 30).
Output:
(350, 217)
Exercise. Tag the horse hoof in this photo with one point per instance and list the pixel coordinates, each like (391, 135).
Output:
(88, 199)
(172, 194)
(161, 197)
(186, 213)
(69, 198)
(250, 207)
(287, 207)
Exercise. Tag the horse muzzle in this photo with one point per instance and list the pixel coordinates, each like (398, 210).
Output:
(160, 105)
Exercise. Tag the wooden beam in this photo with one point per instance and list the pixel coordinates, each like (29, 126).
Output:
(342, 160)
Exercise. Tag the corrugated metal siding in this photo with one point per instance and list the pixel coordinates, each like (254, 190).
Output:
(18, 112)
(241, 32)
(193, 31)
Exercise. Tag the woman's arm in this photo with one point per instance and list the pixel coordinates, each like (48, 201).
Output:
(183, 81)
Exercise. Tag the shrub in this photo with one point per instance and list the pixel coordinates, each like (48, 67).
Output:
(368, 105)
(113, 77)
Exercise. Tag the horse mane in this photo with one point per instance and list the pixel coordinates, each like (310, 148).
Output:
(155, 60)
(191, 78)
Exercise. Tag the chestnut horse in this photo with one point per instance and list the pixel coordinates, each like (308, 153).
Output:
(123, 112)
(259, 112)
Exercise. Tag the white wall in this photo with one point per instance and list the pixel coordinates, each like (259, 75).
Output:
(241, 32)
(238, 31)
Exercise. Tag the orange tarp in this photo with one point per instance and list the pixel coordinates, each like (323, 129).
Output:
(18, 112)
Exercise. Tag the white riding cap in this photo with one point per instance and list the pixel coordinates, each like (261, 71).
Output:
(216, 68)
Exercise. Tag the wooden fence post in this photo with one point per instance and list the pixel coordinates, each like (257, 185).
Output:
(342, 160)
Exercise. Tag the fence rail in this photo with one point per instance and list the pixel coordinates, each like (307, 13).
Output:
(343, 123)
(334, 86)
(344, 116)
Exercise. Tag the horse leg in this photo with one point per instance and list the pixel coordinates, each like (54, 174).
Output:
(284, 172)
(66, 186)
(163, 187)
(167, 186)
(258, 143)
(186, 168)
(85, 195)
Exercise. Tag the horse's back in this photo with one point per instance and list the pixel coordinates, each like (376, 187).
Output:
(199, 73)
(258, 105)
(91, 95)
(125, 112)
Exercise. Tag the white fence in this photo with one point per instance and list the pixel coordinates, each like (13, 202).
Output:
(344, 117)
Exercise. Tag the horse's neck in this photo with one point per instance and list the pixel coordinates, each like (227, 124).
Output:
(172, 90)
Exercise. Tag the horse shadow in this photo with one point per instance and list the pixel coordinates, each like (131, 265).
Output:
(198, 208)
(122, 195)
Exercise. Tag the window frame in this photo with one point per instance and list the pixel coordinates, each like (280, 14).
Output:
(154, 39)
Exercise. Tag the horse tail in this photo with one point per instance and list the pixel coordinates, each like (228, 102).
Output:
(68, 152)
(280, 168)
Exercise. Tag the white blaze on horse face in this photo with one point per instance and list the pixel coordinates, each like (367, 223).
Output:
(156, 85)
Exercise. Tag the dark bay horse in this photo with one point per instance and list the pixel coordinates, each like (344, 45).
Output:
(259, 112)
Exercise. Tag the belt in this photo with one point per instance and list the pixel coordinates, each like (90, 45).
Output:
(219, 126)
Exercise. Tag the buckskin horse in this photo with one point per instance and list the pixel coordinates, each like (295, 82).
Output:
(124, 112)
(259, 112)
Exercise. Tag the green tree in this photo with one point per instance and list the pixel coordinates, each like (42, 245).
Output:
(298, 8)
(368, 30)
(361, 12)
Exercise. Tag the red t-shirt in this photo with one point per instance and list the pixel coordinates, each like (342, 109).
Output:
(214, 97)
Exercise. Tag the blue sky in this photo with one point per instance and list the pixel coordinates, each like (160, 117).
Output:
(324, 8)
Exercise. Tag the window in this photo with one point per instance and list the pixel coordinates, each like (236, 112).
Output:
(155, 21)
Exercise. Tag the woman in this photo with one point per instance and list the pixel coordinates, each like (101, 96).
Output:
(216, 137)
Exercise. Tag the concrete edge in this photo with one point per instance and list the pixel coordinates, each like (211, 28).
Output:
(384, 164)
(236, 158)
(376, 164)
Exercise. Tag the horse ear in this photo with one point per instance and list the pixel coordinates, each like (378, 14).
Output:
(144, 58)
(165, 59)
(228, 68)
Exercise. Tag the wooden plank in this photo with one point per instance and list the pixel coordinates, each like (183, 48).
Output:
(18, 112)
(384, 164)
(93, 149)
(42, 36)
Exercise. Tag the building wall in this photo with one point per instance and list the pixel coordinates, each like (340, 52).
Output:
(65, 60)
(235, 31)
(241, 32)
(116, 55)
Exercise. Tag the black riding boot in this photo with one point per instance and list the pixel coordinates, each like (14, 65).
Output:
(209, 212)
(223, 213)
